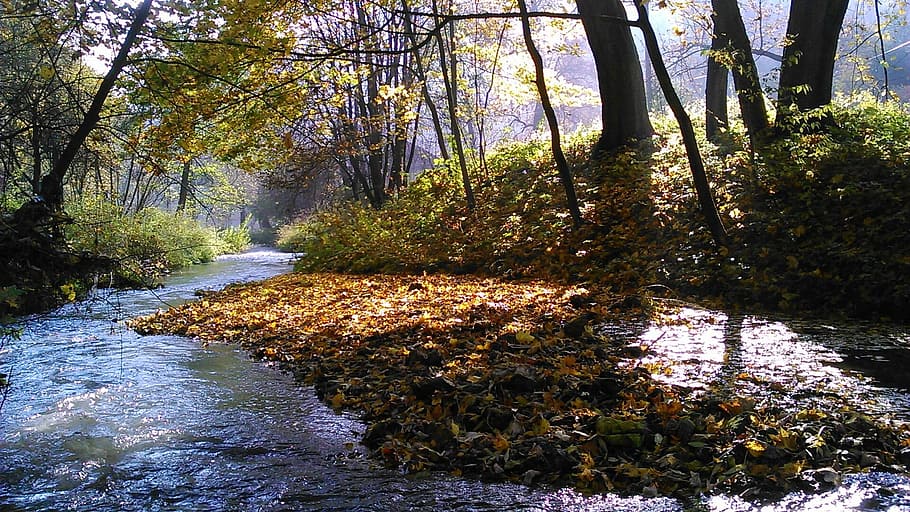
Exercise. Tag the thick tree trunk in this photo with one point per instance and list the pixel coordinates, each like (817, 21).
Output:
(624, 107)
(702, 187)
(730, 30)
(716, 118)
(807, 72)
(565, 174)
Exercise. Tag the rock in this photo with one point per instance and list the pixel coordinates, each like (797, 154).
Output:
(528, 477)
(828, 476)
(868, 460)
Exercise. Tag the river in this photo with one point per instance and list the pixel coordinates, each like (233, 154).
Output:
(98, 418)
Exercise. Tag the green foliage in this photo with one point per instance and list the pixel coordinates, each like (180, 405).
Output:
(145, 244)
(825, 221)
(235, 239)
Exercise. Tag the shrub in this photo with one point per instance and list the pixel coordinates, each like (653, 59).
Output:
(146, 244)
(235, 239)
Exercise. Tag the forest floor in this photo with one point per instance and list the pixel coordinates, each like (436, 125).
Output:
(474, 342)
(515, 380)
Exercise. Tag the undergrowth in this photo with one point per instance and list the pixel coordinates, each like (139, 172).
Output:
(148, 243)
(819, 220)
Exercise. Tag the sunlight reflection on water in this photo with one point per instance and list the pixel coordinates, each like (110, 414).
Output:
(709, 352)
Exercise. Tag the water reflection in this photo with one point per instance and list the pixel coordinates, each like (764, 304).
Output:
(100, 419)
(796, 361)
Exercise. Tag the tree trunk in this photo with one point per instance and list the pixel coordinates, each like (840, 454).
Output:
(807, 71)
(373, 116)
(702, 187)
(729, 28)
(450, 82)
(52, 184)
(184, 186)
(36, 155)
(716, 118)
(565, 174)
(624, 108)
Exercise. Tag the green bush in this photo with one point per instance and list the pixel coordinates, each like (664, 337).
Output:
(145, 244)
(235, 239)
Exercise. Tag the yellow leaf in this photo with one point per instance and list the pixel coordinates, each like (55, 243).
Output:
(500, 443)
(524, 338)
(792, 262)
(786, 439)
(541, 426)
(756, 448)
(792, 469)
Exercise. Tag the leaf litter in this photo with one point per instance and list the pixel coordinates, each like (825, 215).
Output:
(512, 380)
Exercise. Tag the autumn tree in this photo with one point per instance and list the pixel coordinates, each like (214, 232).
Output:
(44, 88)
(52, 183)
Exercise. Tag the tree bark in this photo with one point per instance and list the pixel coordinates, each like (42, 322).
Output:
(716, 118)
(184, 186)
(624, 107)
(702, 187)
(807, 71)
(565, 174)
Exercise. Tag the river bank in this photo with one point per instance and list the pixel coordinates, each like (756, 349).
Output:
(523, 382)
(101, 419)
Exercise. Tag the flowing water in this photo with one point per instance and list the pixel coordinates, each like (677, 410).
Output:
(98, 418)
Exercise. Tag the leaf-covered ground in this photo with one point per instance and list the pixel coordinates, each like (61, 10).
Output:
(513, 380)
